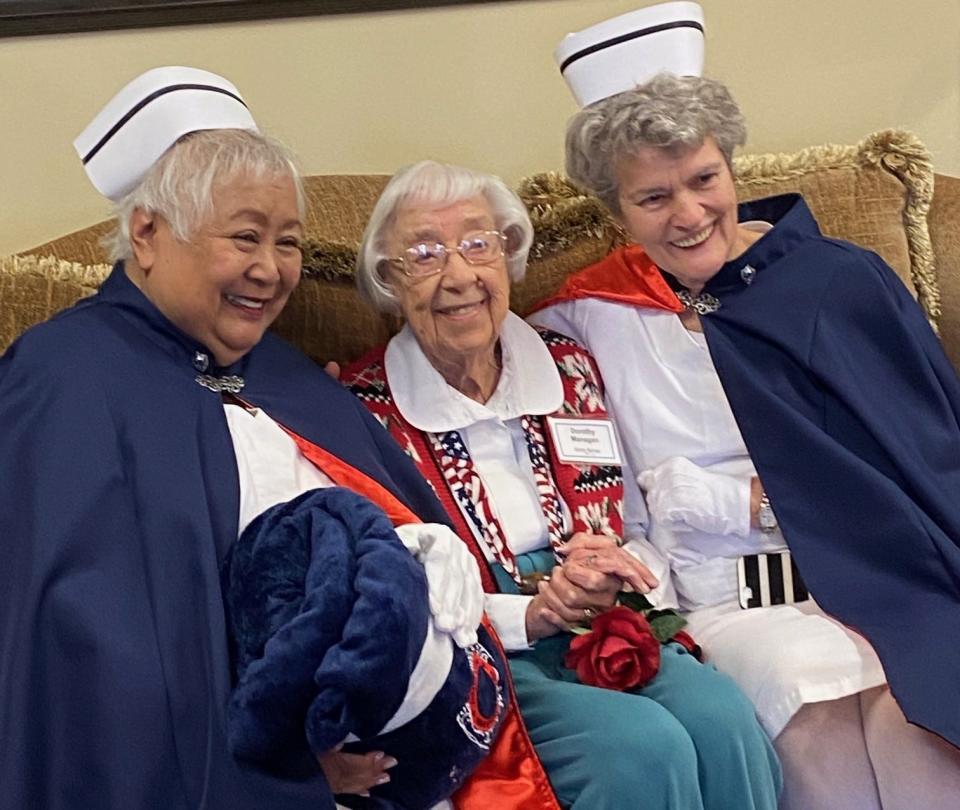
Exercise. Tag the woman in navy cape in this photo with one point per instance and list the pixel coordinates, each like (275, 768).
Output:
(787, 411)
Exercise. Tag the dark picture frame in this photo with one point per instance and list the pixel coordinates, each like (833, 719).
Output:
(40, 17)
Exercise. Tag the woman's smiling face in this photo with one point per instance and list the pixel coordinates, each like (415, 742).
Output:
(230, 281)
(681, 206)
(455, 314)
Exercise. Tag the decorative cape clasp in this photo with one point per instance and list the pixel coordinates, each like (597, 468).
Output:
(231, 384)
(702, 304)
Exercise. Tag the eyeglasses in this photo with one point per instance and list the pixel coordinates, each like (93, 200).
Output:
(429, 258)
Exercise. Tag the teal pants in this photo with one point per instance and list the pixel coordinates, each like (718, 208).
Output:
(688, 740)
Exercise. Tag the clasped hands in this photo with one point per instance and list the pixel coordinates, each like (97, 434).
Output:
(594, 570)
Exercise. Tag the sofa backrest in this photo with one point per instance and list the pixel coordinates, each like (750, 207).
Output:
(876, 193)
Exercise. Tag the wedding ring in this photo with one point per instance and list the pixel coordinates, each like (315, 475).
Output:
(589, 613)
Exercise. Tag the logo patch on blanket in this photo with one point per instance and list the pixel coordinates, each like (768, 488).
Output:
(480, 716)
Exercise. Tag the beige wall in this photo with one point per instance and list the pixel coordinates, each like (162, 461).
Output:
(474, 84)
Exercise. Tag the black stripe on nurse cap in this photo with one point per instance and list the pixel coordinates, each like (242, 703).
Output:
(148, 116)
(620, 53)
(152, 97)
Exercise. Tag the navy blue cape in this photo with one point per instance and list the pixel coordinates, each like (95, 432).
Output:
(851, 413)
(119, 501)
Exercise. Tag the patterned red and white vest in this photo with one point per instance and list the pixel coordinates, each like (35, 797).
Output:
(593, 494)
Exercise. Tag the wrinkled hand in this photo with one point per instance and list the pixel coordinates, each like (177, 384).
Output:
(453, 579)
(685, 496)
(355, 773)
(596, 563)
(560, 603)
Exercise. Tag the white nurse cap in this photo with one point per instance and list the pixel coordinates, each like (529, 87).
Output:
(148, 116)
(620, 53)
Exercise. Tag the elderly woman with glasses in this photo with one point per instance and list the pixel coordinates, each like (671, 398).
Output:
(477, 398)
(741, 346)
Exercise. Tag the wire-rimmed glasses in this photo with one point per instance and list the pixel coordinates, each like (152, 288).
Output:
(429, 258)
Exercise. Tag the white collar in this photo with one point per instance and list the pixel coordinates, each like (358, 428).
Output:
(529, 382)
(760, 226)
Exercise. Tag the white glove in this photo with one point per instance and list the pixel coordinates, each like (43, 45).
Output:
(684, 496)
(453, 579)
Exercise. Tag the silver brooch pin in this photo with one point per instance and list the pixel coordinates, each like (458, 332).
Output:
(201, 362)
(231, 384)
(702, 304)
(748, 274)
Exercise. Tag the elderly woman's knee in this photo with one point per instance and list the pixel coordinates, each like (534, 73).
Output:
(644, 732)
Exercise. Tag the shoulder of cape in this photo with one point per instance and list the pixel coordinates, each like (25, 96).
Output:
(627, 275)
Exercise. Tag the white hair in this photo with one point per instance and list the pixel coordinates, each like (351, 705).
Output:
(438, 184)
(179, 186)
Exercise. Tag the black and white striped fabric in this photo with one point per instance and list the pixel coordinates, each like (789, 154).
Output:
(769, 579)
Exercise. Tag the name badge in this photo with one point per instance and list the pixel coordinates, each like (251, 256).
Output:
(584, 441)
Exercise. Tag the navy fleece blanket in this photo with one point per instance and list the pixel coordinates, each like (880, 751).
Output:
(328, 614)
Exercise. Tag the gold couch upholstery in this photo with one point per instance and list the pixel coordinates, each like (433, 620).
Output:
(881, 193)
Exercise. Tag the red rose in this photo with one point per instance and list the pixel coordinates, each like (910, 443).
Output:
(685, 640)
(620, 651)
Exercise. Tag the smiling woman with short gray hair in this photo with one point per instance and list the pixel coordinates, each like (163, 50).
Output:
(750, 363)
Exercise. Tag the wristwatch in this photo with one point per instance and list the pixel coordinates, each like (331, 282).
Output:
(766, 519)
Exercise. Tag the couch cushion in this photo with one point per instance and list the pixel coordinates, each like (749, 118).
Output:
(944, 223)
(32, 288)
(876, 193)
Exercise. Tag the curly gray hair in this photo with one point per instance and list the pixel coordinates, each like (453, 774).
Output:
(666, 112)
(438, 184)
(179, 186)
